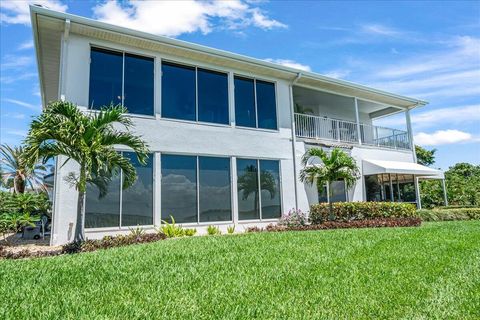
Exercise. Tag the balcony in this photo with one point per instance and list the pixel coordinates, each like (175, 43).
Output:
(344, 131)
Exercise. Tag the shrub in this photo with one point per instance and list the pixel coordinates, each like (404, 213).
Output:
(171, 230)
(231, 229)
(254, 229)
(347, 211)
(137, 232)
(29, 202)
(15, 222)
(190, 232)
(449, 214)
(293, 218)
(212, 231)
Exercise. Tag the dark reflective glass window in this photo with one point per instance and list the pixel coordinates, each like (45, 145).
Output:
(245, 102)
(137, 200)
(212, 96)
(337, 191)
(266, 105)
(179, 188)
(214, 189)
(373, 188)
(270, 189)
(138, 84)
(247, 186)
(106, 69)
(407, 188)
(178, 92)
(105, 211)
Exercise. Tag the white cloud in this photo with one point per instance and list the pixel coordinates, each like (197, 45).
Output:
(18, 12)
(378, 29)
(172, 18)
(24, 104)
(14, 78)
(13, 61)
(26, 45)
(290, 63)
(14, 115)
(337, 74)
(441, 137)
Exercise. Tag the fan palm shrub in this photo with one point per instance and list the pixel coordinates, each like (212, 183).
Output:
(90, 140)
(336, 165)
(19, 171)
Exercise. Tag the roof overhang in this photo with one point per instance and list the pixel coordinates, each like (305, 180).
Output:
(380, 166)
(48, 26)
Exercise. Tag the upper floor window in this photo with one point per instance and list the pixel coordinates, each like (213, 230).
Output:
(121, 78)
(255, 103)
(195, 94)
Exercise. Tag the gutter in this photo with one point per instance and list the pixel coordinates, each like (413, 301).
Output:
(292, 115)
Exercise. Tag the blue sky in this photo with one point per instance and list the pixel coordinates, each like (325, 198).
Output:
(428, 50)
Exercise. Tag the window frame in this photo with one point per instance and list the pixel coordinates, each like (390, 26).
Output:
(197, 175)
(154, 191)
(196, 67)
(259, 169)
(124, 52)
(254, 78)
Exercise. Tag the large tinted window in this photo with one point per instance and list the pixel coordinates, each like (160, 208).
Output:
(137, 200)
(247, 186)
(105, 211)
(179, 188)
(138, 84)
(266, 105)
(212, 96)
(270, 189)
(178, 92)
(245, 102)
(214, 189)
(105, 78)
(337, 190)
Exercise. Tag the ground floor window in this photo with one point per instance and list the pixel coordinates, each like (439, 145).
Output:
(258, 186)
(129, 207)
(338, 192)
(195, 189)
(390, 187)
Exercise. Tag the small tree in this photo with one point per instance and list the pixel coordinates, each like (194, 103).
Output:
(89, 140)
(337, 165)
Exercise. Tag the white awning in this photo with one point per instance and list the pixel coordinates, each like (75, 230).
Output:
(381, 166)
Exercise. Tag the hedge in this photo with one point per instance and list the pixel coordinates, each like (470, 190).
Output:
(348, 211)
(449, 214)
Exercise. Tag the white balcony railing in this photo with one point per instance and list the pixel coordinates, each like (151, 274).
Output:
(314, 127)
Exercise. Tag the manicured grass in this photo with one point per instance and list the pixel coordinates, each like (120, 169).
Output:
(409, 273)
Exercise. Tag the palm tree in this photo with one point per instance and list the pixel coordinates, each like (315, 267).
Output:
(337, 165)
(248, 183)
(18, 172)
(89, 140)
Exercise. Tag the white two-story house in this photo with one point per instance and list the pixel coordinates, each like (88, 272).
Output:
(226, 131)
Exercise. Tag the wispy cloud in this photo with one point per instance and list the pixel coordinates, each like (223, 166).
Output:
(14, 115)
(173, 18)
(442, 137)
(26, 45)
(10, 61)
(17, 12)
(379, 29)
(290, 63)
(24, 104)
(18, 77)
(337, 73)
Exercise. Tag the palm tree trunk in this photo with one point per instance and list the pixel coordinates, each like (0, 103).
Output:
(331, 216)
(18, 184)
(79, 225)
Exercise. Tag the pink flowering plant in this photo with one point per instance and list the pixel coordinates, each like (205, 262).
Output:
(294, 218)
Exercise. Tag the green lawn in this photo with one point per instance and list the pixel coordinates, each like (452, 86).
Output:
(431, 272)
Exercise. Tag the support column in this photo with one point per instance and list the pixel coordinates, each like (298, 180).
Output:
(233, 174)
(357, 118)
(410, 134)
(293, 137)
(417, 191)
(445, 199)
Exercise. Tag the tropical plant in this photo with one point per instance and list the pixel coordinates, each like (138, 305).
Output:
(302, 110)
(336, 165)
(212, 231)
(424, 156)
(90, 140)
(15, 222)
(294, 218)
(27, 202)
(19, 171)
(137, 231)
(231, 229)
(248, 183)
(190, 232)
(171, 230)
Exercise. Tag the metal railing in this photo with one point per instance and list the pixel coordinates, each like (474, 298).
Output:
(315, 127)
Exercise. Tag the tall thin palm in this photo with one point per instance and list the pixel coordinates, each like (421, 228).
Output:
(89, 140)
(337, 165)
(248, 183)
(18, 172)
